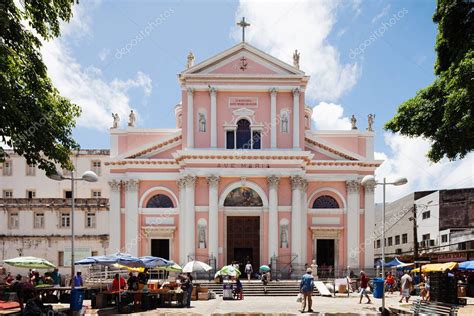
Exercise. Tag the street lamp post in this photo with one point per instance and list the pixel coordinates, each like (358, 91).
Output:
(88, 176)
(369, 179)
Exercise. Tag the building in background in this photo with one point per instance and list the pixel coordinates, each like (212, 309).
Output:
(445, 225)
(35, 211)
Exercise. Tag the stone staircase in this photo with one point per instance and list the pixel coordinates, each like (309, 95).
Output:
(255, 288)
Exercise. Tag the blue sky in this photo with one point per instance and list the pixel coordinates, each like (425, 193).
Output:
(117, 55)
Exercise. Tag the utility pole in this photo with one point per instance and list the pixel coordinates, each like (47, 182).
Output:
(415, 235)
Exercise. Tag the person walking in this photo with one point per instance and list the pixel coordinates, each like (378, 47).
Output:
(364, 282)
(248, 270)
(306, 288)
(78, 282)
(390, 282)
(265, 282)
(405, 287)
(189, 283)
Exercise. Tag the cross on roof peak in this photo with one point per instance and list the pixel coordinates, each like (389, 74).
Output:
(243, 24)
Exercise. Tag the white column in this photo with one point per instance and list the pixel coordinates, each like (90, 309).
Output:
(213, 93)
(190, 127)
(273, 120)
(304, 220)
(296, 118)
(353, 223)
(114, 216)
(131, 217)
(190, 217)
(273, 182)
(182, 225)
(296, 218)
(213, 182)
(369, 225)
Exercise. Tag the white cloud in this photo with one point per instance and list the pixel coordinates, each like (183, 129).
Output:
(104, 53)
(283, 26)
(86, 85)
(407, 158)
(329, 116)
(382, 13)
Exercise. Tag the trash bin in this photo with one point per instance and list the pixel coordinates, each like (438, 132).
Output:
(378, 287)
(227, 292)
(77, 297)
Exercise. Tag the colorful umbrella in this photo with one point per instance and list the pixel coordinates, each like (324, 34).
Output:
(227, 271)
(466, 265)
(172, 268)
(30, 263)
(196, 266)
(153, 262)
(264, 268)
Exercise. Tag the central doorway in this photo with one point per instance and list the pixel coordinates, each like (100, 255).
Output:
(325, 256)
(243, 240)
(160, 248)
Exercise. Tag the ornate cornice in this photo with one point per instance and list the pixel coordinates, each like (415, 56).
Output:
(353, 186)
(213, 180)
(131, 185)
(344, 164)
(273, 181)
(114, 185)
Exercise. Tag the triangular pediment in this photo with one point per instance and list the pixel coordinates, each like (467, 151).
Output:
(328, 151)
(157, 149)
(243, 59)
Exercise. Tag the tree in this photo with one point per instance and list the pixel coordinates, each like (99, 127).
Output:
(443, 111)
(35, 120)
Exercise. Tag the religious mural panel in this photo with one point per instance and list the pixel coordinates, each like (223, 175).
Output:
(243, 196)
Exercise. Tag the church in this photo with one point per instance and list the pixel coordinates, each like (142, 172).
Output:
(243, 176)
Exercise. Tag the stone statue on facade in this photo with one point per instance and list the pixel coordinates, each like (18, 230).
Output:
(284, 122)
(353, 122)
(202, 122)
(190, 60)
(370, 122)
(296, 59)
(284, 236)
(132, 119)
(116, 119)
(202, 237)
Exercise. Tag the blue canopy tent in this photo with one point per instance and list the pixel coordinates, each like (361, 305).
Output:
(467, 265)
(120, 258)
(153, 262)
(394, 263)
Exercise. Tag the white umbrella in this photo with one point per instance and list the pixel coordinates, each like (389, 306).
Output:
(196, 266)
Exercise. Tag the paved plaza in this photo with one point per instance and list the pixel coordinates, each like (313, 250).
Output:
(340, 305)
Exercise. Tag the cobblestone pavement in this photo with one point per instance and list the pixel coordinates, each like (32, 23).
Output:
(340, 305)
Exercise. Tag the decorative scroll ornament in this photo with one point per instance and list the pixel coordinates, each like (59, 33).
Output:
(190, 179)
(181, 183)
(369, 187)
(296, 182)
(213, 180)
(352, 186)
(114, 185)
(273, 181)
(131, 185)
(296, 92)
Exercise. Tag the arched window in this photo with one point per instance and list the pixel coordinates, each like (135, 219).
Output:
(160, 201)
(243, 134)
(243, 196)
(325, 201)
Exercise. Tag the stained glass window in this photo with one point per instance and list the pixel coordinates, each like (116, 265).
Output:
(160, 201)
(325, 201)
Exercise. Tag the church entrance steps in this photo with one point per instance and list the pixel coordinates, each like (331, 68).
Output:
(255, 288)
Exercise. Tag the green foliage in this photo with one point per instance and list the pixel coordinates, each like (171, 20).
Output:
(443, 111)
(35, 120)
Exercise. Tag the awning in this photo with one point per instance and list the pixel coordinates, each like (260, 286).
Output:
(437, 267)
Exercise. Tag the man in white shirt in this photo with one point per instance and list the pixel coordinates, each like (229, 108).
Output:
(248, 270)
(406, 285)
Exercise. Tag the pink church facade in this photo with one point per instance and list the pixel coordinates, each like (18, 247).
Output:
(243, 176)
